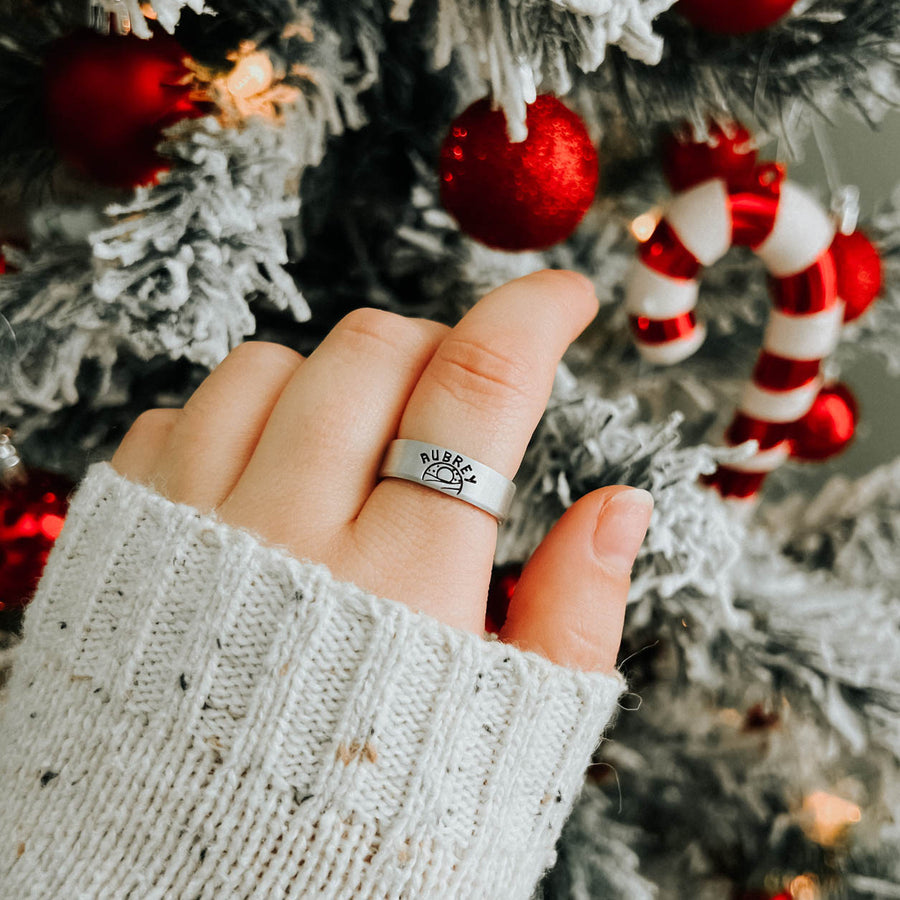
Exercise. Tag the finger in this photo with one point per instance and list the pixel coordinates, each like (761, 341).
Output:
(140, 451)
(214, 437)
(328, 432)
(481, 395)
(569, 604)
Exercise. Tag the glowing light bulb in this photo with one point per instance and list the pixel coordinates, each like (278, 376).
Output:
(644, 225)
(251, 75)
(804, 887)
(825, 817)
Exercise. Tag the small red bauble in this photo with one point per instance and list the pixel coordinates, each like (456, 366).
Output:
(729, 153)
(31, 518)
(858, 268)
(518, 196)
(6, 268)
(760, 895)
(503, 584)
(107, 100)
(763, 895)
(828, 427)
(734, 16)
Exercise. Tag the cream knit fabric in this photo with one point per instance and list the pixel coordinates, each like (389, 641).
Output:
(194, 714)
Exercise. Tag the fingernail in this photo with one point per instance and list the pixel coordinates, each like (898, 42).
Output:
(621, 527)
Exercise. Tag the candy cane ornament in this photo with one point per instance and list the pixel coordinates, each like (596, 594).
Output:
(793, 237)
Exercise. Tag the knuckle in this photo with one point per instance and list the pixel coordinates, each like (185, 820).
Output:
(266, 353)
(153, 420)
(573, 281)
(482, 375)
(570, 292)
(579, 646)
(376, 331)
(581, 640)
(616, 580)
(429, 329)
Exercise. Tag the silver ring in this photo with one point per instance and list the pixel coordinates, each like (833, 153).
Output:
(451, 473)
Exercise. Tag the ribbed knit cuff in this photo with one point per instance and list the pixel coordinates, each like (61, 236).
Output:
(196, 714)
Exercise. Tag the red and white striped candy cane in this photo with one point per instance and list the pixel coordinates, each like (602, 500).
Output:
(792, 235)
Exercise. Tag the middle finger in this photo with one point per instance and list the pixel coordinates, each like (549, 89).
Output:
(320, 450)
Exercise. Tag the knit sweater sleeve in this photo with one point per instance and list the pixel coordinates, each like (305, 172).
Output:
(196, 714)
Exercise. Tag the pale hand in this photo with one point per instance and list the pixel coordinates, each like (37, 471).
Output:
(289, 448)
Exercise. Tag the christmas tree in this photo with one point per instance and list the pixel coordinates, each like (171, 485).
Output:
(179, 175)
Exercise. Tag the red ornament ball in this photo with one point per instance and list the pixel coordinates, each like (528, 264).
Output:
(828, 427)
(728, 153)
(763, 895)
(734, 16)
(6, 268)
(518, 196)
(503, 584)
(858, 268)
(31, 518)
(107, 100)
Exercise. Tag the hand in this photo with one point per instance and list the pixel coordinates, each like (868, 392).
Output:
(289, 448)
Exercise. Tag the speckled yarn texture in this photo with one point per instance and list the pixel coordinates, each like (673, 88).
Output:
(195, 714)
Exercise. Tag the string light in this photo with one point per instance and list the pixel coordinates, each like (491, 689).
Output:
(804, 887)
(644, 225)
(252, 75)
(253, 87)
(825, 817)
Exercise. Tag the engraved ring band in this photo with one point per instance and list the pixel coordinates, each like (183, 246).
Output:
(451, 473)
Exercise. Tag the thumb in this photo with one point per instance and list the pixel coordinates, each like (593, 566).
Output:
(569, 603)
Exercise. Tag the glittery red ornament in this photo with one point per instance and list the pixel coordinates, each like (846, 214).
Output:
(728, 153)
(858, 268)
(503, 583)
(828, 427)
(107, 100)
(518, 196)
(733, 16)
(31, 517)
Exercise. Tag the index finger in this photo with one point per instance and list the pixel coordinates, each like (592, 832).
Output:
(481, 395)
(488, 383)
